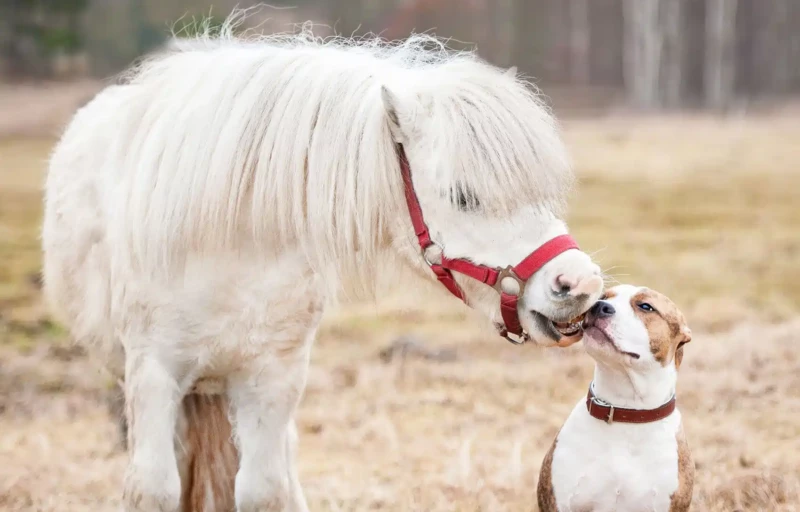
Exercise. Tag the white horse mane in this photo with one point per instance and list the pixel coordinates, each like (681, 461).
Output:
(233, 142)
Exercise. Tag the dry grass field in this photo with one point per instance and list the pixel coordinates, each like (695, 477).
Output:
(707, 211)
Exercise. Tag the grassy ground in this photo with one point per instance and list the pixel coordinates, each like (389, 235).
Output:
(703, 210)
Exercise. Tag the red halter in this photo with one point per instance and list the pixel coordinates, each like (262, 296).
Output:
(489, 275)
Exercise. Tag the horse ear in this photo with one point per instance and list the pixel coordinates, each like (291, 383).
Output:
(394, 112)
(512, 72)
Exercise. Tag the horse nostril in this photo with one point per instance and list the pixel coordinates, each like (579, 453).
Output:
(563, 284)
(603, 309)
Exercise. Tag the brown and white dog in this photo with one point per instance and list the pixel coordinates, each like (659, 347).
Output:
(623, 448)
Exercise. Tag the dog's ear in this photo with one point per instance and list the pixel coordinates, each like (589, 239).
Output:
(685, 337)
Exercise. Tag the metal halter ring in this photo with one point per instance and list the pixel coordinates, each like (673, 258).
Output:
(508, 273)
(424, 253)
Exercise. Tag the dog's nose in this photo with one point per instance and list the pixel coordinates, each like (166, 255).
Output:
(602, 309)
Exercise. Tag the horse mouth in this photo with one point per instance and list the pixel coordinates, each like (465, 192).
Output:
(562, 334)
(571, 328)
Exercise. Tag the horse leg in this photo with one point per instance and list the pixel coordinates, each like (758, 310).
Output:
(264, 397)
(294, 480)
(152, 396)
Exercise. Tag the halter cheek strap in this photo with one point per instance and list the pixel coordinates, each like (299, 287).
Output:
(525, 270)
(491, 276)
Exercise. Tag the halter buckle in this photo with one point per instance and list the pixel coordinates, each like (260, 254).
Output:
(514, 339)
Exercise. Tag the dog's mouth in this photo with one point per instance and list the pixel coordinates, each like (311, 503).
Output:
(607, 339)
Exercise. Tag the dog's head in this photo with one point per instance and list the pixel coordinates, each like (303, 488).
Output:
(636, 327)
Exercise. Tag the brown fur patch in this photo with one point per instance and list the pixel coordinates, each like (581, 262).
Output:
(681, 499)
(678, 356)
(213, 459)
(544, 491)
(666, 326)
(609, 294)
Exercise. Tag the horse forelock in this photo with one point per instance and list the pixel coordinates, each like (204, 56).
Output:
(503, 140)
(282, 141)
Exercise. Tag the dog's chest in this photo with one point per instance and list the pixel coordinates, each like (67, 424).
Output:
(603, 467)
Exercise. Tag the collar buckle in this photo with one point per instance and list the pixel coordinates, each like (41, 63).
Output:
(602, 403)
(610, 418)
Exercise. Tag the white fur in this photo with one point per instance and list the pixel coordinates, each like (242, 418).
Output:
(620, 466)
(615, 467)
(199, 214)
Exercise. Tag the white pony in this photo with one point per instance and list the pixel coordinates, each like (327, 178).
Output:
(201, 214)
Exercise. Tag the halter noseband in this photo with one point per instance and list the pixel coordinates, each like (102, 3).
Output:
(492, 276)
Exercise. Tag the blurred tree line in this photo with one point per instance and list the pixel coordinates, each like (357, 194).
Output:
(32, 32)
(656, 53)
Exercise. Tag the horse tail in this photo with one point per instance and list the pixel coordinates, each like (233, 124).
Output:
(211, 460)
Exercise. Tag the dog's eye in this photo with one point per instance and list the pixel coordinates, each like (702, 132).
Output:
(644, 306)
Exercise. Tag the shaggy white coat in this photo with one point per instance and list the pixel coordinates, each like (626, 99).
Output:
(200, 214)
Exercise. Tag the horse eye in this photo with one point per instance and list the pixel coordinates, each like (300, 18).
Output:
(464, 198)
(644, 306)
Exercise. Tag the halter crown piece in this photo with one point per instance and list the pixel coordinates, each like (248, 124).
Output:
(492, 276)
